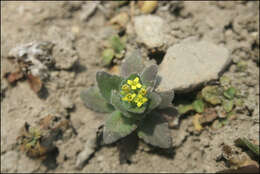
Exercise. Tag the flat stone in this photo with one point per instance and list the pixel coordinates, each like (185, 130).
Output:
(190, 64)
(150, 30)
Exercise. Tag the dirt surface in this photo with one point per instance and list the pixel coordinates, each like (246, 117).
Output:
(233, 24)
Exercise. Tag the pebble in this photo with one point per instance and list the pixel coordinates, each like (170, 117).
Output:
(66, 102)
(90, 148)
(150, 30)
(191, 63)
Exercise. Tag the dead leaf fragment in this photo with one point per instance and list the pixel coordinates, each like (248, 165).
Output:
(13, 77)
(35, 83)
(209, 115)
(196, 122)
(121, 19)
(147, 6)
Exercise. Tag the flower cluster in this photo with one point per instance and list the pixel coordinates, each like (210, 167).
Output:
(134, 92)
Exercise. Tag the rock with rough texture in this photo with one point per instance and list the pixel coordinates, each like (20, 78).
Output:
(190, 64)
(66, 102)
(150, 30)
(85, 155)
(37, 55)
(88, 9)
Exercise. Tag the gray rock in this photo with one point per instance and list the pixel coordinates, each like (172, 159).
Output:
(90, 148)
(66, 102)
(65, 56)
(88, 9)
(190, 64)
(9, 161)
(37, 55)
(150, 30)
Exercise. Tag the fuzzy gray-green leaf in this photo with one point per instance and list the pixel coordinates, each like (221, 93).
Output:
(154, 101)
(132, 64)
(117, 127)
(167, 97)
(93, 100)
(154, 130)
(107, 83)
(148, 76)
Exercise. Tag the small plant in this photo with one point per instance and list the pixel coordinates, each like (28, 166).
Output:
(133, 102)
(115, 48)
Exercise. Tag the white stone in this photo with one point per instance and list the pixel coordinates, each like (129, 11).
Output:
(150, 30)
(190, 64)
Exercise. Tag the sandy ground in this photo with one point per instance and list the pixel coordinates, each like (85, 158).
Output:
(234, 24)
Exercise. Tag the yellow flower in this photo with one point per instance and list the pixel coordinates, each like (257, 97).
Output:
(129, 97)
(126, 88)
(140, 100)
(143, 91)
(134, 83)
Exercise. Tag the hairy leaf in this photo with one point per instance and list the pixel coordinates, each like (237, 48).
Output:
(228, 105)
(148, 76)
(246, 143)
(167, 97)
(93, 100)
(132, 64)
(117, 44)
(154, 101)
(212, 94)
(117, 127)
(154, 130)
(230, 93)
(198, 105)
(107, 56)
(107, 83)
(182, 109)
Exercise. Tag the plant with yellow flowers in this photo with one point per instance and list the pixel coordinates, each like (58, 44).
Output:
(133, 101)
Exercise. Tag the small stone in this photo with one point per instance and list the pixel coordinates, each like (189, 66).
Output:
(90, 148)
(190, 64)
(88, 9)
(66, 102)
(37, 55)
(150, 30)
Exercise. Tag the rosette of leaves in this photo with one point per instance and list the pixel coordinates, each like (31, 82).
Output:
(133, 103)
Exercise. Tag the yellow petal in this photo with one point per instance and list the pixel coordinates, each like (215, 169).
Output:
(130, 82)
(133, 87)
(136, 80)
(139, 104)
(139, 85)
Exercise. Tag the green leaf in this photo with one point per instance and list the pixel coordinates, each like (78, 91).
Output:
(107, 56)
(154, 130)
(107, 83)
(198, 106)
(230, 93)
(117, 127)
(154, 101)
(134, 109)
(167, 98)
(93, 100)
(118, 104)
(182, 109)
(228, 105)
(132, 64)
(148, 76)
(211, 94)
(116, 44)
(245, 143)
